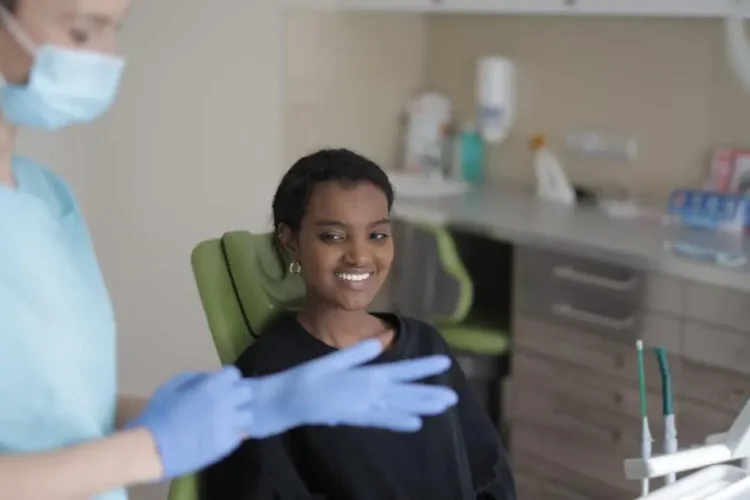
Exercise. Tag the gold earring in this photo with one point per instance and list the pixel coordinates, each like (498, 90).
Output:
(295, 268)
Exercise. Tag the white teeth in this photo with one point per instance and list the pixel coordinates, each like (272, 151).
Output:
(352, 277)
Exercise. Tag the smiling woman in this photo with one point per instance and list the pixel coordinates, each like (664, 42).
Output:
(331, 213)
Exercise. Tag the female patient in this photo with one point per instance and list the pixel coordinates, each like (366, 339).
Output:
(331, 213)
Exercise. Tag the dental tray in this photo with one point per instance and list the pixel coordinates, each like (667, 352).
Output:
(719, 482)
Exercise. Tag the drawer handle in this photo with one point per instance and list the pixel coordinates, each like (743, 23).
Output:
(567, 311)
(570, 274)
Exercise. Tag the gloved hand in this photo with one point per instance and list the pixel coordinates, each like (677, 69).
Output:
(197, 419)
(336, 390)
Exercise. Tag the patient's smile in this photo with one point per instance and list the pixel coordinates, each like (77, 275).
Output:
(354, 280)
(353, 276)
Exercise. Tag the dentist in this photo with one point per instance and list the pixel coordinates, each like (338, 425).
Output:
(64, 431)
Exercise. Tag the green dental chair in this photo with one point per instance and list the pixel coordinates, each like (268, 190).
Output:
(243, 284)
(430, 281)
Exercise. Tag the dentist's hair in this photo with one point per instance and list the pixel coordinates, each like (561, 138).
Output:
(328, 165)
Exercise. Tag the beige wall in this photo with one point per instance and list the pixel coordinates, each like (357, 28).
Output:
(665, 81)
(192, 148)
(347, 77)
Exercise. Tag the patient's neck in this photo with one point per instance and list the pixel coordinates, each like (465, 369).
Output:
(340, 328)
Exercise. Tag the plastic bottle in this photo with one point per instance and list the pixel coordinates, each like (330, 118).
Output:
(551, 182)
(471, 154)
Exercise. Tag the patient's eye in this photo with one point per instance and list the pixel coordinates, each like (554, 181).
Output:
(331, 237)
(379, 236)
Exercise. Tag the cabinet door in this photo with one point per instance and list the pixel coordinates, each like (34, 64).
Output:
(646, 8)
(654, 8)
(312, 4)
(390, 5)
(506, 6)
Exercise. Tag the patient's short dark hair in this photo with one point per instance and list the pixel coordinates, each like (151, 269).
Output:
(337, 165)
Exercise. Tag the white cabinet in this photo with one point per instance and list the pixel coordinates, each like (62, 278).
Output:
(655, 8)
(311, 4)
(391, 5)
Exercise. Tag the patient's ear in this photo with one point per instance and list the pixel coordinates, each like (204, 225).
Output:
(288, 241)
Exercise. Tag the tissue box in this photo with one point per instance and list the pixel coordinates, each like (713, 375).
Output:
(710, 209)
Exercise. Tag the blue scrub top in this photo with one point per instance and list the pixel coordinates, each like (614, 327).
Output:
(57, 329)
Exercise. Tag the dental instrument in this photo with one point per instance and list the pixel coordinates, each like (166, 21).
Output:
(716, 479)
(670, 429)
(646, 439)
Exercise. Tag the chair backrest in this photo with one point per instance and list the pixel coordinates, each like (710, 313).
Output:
(243, 284)
(429, 278)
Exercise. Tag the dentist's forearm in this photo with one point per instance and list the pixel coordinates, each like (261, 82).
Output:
(83, 471)
(128, 407)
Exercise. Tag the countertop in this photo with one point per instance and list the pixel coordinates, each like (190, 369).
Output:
(517, 216)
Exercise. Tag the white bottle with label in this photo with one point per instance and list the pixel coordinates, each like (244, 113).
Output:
(428, 116)
(551, 182)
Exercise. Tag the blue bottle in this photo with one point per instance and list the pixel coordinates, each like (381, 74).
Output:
(471, 154)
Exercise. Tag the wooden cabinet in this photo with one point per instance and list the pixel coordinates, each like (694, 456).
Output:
(668, 8)
(314, 5)
(573, 395)
(572, 403)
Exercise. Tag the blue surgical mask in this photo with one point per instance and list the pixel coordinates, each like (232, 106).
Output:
(66, 86)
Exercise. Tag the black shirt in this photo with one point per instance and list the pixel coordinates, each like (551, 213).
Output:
(455, 456)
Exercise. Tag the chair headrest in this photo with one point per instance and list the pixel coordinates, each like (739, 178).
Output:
(262, 282)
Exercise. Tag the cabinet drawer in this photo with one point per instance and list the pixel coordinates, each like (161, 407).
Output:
(587, 310)
(720, 306)
(665, 294)
(555, 268)
(575, 419)
(598, 353)
(599, 391)
(720, 388)
(717, 346)
(595, 464)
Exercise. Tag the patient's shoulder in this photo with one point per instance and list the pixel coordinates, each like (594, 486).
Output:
(423, 336)
(274, 350)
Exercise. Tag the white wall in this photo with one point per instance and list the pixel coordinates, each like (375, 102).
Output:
(192, 149)
(346, 79)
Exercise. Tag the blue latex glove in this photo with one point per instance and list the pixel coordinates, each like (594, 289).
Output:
(336, 390)
(197, 419)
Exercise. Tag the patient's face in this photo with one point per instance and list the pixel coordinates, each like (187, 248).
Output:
(344, 244)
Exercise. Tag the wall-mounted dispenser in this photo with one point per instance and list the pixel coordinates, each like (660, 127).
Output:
(496, 97)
